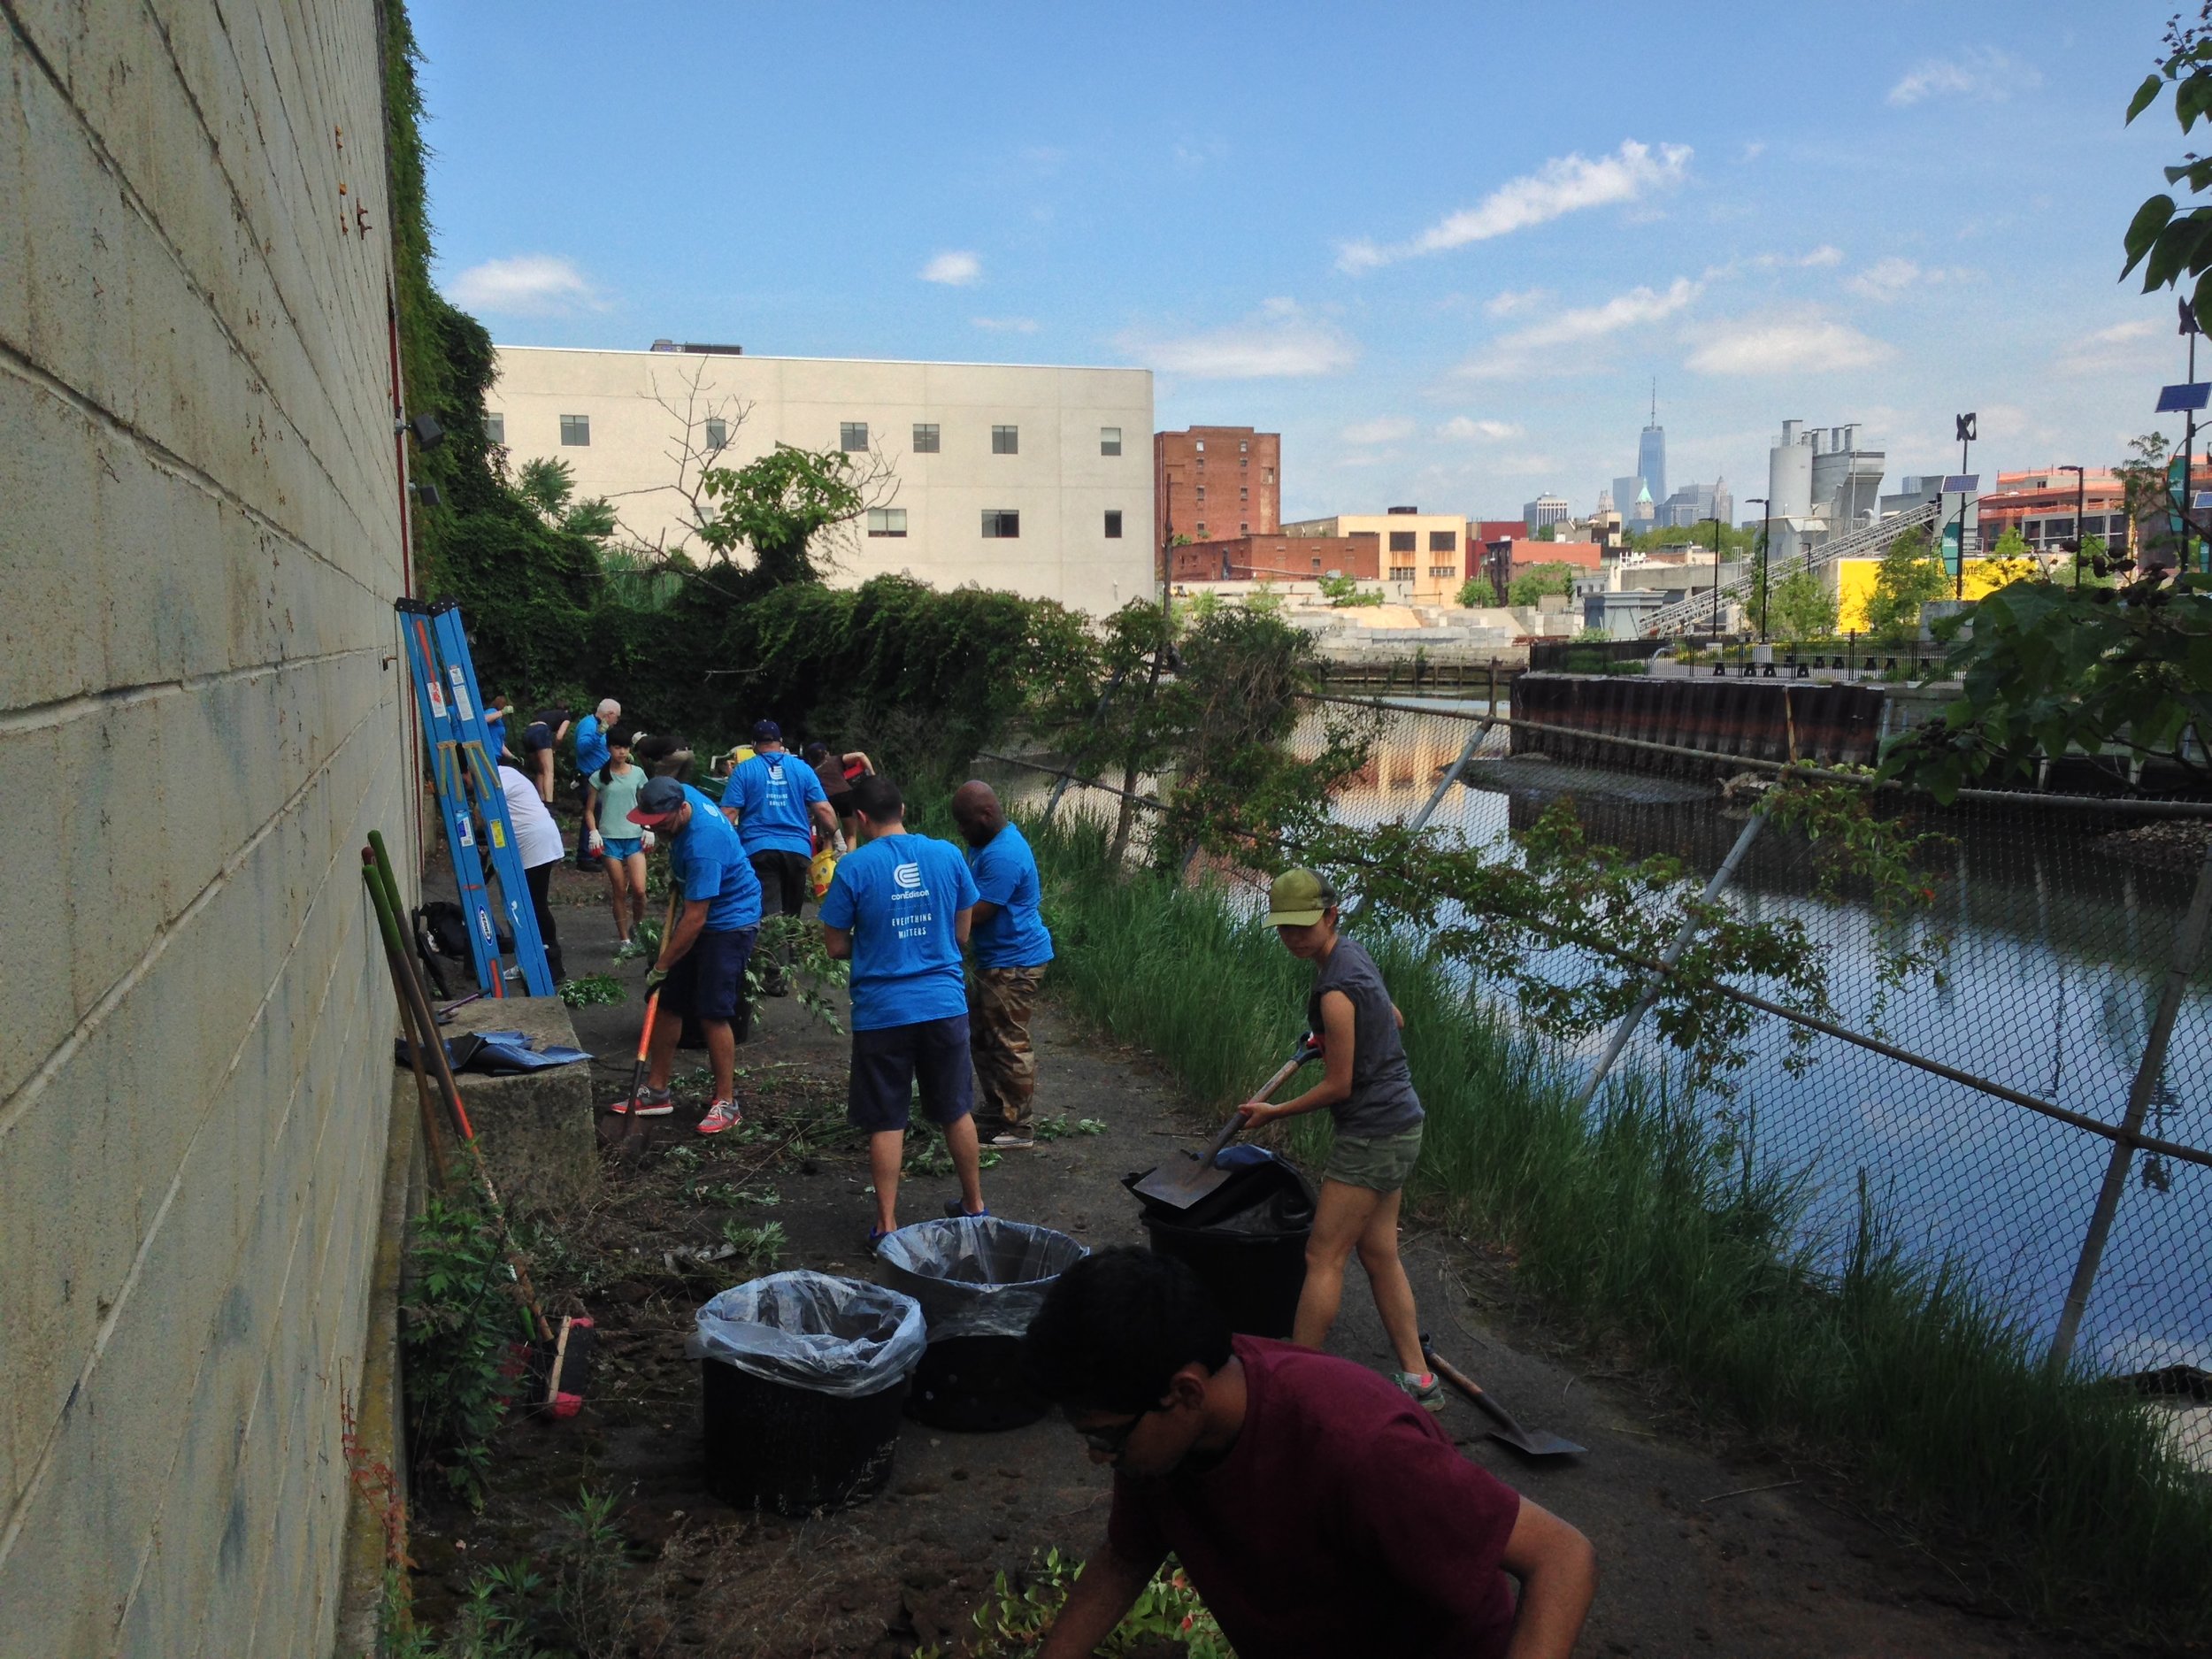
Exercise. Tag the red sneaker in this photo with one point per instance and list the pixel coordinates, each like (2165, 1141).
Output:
(723, 1114)
(646, 1102)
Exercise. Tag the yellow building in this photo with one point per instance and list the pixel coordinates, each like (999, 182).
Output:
(1855, 585)
(1424, 555)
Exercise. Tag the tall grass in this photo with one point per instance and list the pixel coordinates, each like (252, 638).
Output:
(1637, 1223)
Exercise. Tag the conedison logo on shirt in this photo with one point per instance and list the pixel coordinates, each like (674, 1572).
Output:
(908, 876)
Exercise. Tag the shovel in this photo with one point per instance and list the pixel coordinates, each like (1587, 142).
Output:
(1529, 1442)
(1181, 1191)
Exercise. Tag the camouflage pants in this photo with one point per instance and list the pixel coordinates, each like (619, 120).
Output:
(999, 1004)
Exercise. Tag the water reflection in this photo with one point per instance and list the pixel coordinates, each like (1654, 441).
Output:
(2054, 958)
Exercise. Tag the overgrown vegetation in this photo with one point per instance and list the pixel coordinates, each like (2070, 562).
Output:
(1647, 1223)
(1534, 582)
(458, 1330)
(1909, 576)
(1020, 1611)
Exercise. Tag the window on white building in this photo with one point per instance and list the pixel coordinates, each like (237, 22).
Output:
(852, 436)
(886, 521)
(495, 429)
(1109, 439)
(1401, 572)
(1402, 541)
(576, 430)
(1443, 540)
(1006, 441)
(1001, 525)
(1113, 525)
(717, 435)
(925, 437)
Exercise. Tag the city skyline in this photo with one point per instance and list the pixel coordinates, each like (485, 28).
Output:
(1456, 310)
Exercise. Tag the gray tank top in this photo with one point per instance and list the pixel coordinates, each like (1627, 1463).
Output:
(1383, 1101)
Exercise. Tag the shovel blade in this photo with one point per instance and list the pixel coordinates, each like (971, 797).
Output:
(1536, 1443)
(1180, 1191)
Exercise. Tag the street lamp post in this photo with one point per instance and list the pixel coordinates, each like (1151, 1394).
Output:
(1766, 517)
(1714, 522)
(2081, 500)
(1965, 426)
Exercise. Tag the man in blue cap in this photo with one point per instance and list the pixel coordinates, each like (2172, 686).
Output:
(779, 802)
(701, 968)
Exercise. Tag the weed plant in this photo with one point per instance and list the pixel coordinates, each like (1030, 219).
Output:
(1646, 1223)
(459, 1327)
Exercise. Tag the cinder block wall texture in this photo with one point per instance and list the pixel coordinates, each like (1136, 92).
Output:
(200, 543)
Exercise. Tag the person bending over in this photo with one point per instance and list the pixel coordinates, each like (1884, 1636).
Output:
(1315, 1511)
(899, 909)
(1367, 1089)
(701, 968)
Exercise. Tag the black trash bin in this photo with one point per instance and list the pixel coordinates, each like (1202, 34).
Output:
(1246, 1240)
(979, 1279)
(802, 1377)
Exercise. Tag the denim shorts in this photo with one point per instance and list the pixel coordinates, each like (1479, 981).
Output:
(888, 1062)
(1378, 1163)
(708, 981)
(624, 848)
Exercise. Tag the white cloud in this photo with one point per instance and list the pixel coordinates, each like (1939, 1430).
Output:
(1465, 429)
(1826, 254)
(528, 284)
(1983, 73)
(1280, 342)
(2123, 347)
(1800, 342)
(1518, 353)
(1006, 325)
(1384, 429)
(1520, 299)
(954, 270)
(1886, 279)
(1566, 184)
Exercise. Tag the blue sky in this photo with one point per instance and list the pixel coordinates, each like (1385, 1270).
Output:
(1444, 250)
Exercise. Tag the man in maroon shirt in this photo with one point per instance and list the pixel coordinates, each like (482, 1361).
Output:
(1316, 1509)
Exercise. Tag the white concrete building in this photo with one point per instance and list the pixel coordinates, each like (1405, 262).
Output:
(1036, 479)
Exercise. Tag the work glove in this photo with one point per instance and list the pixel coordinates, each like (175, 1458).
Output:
(654, 979)
(598, 842)
(646, 836)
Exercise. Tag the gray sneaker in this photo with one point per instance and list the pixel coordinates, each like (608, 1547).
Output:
(646, 1102)
(1015, 1138)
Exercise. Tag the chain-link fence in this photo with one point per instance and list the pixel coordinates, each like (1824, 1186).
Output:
(1980, 1105)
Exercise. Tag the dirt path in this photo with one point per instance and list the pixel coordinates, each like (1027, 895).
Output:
(1700, 1553)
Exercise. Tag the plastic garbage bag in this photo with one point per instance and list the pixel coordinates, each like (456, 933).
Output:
(807, 1330)
(1263, 1196)
(978, 1275)
(497, 1052)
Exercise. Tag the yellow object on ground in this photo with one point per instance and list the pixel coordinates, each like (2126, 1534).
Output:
(820, 873)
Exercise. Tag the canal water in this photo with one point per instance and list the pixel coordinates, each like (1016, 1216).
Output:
(2054, 950)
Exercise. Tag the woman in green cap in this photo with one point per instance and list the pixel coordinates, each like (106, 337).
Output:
(1367, 1089)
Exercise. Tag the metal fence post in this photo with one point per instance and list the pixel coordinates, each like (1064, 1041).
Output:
(2188, 946)
(1436, 795)
(1067, 773)
(1722, 877)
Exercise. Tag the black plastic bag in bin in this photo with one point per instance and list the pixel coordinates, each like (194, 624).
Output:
(978, 1275)
(833, 1336)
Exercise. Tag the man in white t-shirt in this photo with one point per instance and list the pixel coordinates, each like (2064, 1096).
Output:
(538, 841)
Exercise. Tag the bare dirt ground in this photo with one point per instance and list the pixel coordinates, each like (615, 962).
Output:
(1703, 1549)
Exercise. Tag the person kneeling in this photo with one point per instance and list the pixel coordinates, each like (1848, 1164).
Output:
(1316, 1509)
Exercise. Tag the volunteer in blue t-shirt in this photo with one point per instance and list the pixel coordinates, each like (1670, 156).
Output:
(591, 755)
(1012, 947)
(778, 803)
(898, 908)
(700, 969)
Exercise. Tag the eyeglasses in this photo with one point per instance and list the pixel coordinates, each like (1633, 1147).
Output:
(1112, 1442)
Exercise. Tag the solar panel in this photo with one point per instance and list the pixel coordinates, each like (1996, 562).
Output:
(1962, 483)
(2181, 399)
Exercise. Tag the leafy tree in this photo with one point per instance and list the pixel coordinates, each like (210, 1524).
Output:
(1734, 541)
(1909, 577)
(775, 506)
(1803, 607)
(549, 484)
(2013, 559)
(1345, 590)
(1477, 593)
(1531, 583)
(2168, 243)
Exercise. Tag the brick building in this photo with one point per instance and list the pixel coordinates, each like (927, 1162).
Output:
(1508, 555)
(1276, 558)
(1481, 533)
(1217, 483)
(2041, 505)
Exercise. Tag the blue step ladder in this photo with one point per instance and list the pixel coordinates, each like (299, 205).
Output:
(466, 775)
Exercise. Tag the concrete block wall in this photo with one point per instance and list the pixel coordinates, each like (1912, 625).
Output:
(199, 548)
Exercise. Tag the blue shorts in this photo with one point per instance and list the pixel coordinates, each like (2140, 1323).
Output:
(709, 981)
(889, 1062)
(629, 846)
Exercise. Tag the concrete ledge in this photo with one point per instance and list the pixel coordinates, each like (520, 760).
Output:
(536, 1130)
(379, 1406)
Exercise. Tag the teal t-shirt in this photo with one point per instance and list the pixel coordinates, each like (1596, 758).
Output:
(618, 795)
